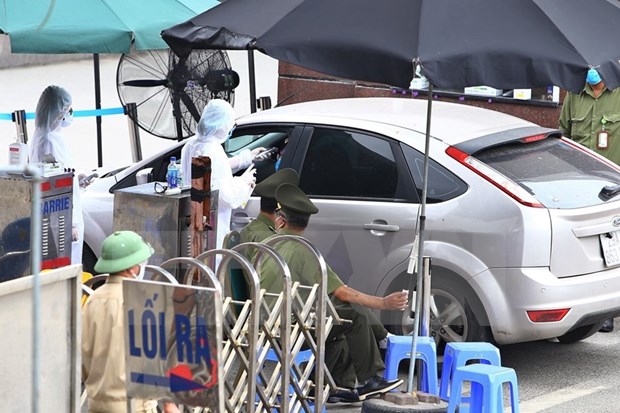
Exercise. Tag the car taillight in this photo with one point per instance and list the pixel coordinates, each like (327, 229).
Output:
(547, 316)
(505, 184)
(534, 138)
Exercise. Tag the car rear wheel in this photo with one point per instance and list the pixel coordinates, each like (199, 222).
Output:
(451, 318)
(580, 333)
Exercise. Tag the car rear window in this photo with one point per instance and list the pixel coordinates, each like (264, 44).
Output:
(556, 172)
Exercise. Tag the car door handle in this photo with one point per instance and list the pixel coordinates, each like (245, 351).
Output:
(382, 227)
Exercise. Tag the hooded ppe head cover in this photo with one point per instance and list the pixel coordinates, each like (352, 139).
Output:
(216, 122)
(53, 106)
(593, 78)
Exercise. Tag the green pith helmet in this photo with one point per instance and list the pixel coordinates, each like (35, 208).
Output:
(122, 250)
(267, 188)
(292, 199)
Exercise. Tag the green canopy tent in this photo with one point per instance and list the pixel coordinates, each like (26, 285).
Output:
(94, 26)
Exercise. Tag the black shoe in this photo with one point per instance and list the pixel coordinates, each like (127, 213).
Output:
(343, 396)
(377, 385)
(608, 326)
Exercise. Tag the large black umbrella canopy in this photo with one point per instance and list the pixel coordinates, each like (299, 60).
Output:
(500, 43)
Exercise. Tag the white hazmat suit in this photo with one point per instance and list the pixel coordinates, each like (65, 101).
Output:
(216, 124)
(54, 112)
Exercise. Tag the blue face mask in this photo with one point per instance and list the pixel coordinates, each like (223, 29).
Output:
(593, 77)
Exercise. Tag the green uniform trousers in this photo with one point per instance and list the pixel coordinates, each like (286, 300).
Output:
(351, 351)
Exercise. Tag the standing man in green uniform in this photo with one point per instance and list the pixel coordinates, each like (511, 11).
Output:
(264, 225)
(352, 353)
(592, 118)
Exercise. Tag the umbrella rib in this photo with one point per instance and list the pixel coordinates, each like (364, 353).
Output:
(48, 15)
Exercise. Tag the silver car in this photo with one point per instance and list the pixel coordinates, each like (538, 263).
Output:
(522, 224)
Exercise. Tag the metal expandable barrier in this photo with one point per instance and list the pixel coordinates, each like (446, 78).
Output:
(240, 334)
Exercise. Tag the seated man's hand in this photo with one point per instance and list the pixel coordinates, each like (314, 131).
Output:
(396, 301)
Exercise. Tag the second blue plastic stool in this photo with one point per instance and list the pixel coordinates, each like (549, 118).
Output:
(399, 348)
(487, 392)
(458, 354)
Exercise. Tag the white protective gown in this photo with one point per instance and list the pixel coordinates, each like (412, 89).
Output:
(52, 108)
(216, 123)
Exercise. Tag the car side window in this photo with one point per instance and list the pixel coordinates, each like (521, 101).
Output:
(272, 136)
(442, 184)
(346, 163)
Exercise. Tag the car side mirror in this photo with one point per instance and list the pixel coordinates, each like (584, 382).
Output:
(144, 176)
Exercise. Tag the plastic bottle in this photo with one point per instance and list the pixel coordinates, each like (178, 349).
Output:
(18, 153)
(180, 182)
(172, 176)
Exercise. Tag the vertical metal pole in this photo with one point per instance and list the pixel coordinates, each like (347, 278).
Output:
(419, 280)
(19, 117)
(35, 265)
(98, 106)
(426, 298)
(131, 110)
(252, 79)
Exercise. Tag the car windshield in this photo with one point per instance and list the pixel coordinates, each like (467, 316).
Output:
(555, 172)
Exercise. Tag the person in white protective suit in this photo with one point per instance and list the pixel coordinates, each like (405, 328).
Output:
(214, 128)
(53, 113)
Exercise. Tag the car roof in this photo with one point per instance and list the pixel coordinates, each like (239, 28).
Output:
(452, 123)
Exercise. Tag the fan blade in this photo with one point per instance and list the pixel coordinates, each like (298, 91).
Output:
(145, 82)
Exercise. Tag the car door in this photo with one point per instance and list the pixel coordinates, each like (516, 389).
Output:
(366, 198)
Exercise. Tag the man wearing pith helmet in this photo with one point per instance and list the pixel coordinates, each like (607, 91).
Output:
(352, 354)
(124, 254)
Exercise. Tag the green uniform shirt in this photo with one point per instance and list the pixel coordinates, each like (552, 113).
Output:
(584, 116)
(258, 229)
(302, 265)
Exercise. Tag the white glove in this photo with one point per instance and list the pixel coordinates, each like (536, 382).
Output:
(257, 154)
(249, 176)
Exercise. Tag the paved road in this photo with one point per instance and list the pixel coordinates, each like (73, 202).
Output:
(558, 378)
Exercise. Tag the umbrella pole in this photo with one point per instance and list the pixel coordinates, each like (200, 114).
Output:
(420, 238)
(98, 106)
(252, 80)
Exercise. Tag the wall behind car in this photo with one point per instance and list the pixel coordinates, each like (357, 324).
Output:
(297, 84)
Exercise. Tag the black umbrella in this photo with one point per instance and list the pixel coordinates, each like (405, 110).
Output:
(500, 43)
(505, 44)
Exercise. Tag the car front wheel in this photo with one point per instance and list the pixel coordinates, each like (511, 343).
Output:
(89, 259)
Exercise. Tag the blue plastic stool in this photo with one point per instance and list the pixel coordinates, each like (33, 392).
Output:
(302, 357)
(399, 348)
(487, 391)
(458, 354)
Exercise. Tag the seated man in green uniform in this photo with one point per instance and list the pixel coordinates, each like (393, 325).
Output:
(352, 353)
(264, 225)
